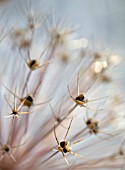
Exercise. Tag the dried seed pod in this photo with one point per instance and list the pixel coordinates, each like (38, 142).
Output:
(65, 146)
(81, 100)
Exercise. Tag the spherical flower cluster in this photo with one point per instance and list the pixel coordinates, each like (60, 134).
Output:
(58, 106)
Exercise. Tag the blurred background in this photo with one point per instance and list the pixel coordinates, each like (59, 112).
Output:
(101, 22)
(98, 19)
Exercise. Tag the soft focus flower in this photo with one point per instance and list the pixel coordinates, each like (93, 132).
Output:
(57, 110)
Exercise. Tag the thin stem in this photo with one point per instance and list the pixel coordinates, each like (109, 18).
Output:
(68, 129)
(77, 141)
(78, 90)
(56, 136)
(27, 79)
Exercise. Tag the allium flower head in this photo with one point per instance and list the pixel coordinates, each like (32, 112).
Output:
(58, 107)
